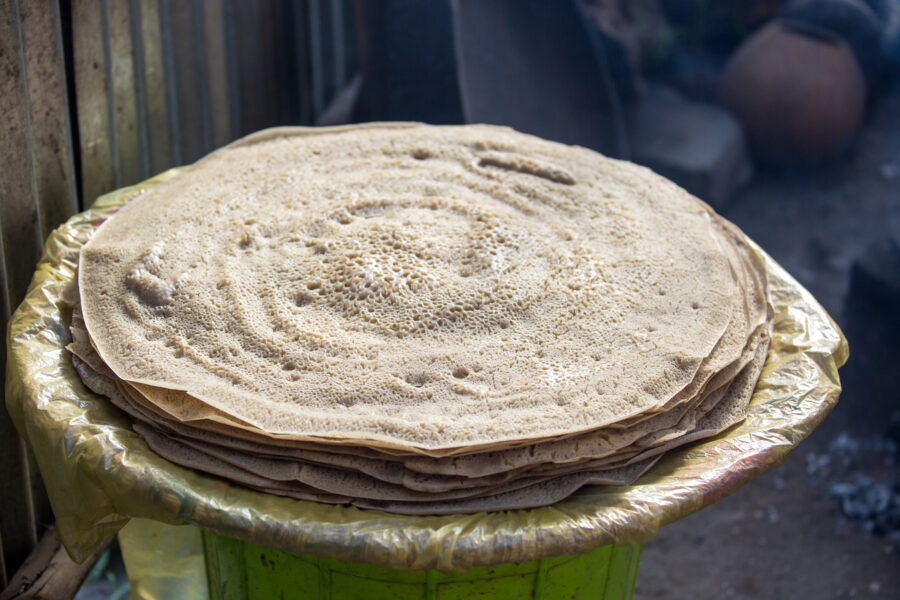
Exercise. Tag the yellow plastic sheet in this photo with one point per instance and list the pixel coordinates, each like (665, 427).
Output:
(99, 474)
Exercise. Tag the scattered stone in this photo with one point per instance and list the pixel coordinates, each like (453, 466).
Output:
(699, 146)
(817, 463)
(845, 446)
(874, 503)
(860, 475)
(863, 498)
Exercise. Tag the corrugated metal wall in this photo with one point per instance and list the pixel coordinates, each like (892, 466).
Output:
(98, 94)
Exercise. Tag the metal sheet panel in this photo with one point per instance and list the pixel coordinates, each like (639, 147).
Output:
(316, 53)
(213, 16)
(51, 139)
(186, 74)
(18, 208)
(302, 68)
(37, 192)
(92, 97)
(167, 81)
(151, 79)
(51, 156)
(123, 97)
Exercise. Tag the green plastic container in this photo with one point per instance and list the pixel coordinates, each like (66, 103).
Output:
(239, 570)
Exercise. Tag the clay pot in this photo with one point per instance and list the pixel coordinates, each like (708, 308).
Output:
(798, 90)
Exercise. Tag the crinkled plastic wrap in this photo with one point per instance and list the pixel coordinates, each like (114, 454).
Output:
(100, 474)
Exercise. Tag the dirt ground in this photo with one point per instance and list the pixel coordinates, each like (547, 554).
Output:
(781, 537)
(818, 526)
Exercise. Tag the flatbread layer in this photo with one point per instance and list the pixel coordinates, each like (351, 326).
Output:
(277, 463)
(179, 406)
(570, 453)
(531, 494)
(411, 287)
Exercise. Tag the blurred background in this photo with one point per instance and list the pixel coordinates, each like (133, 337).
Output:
(782, 115)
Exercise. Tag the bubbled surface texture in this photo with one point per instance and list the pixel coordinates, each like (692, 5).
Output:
(421, 289)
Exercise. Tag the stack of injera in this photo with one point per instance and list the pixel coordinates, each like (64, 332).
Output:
(419, 319)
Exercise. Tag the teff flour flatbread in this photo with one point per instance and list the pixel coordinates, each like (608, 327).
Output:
(421, 308)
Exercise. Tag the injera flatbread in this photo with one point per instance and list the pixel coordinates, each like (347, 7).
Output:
(277, 469)
(194, 414)
(323, 457)
(541, 494)
(352, 483)
(727, 349)
(490, 461)
(465, 285)
(547, 491)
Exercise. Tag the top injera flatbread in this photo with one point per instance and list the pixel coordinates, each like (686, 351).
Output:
(721, 363)
(411, 286)
(749, 311)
